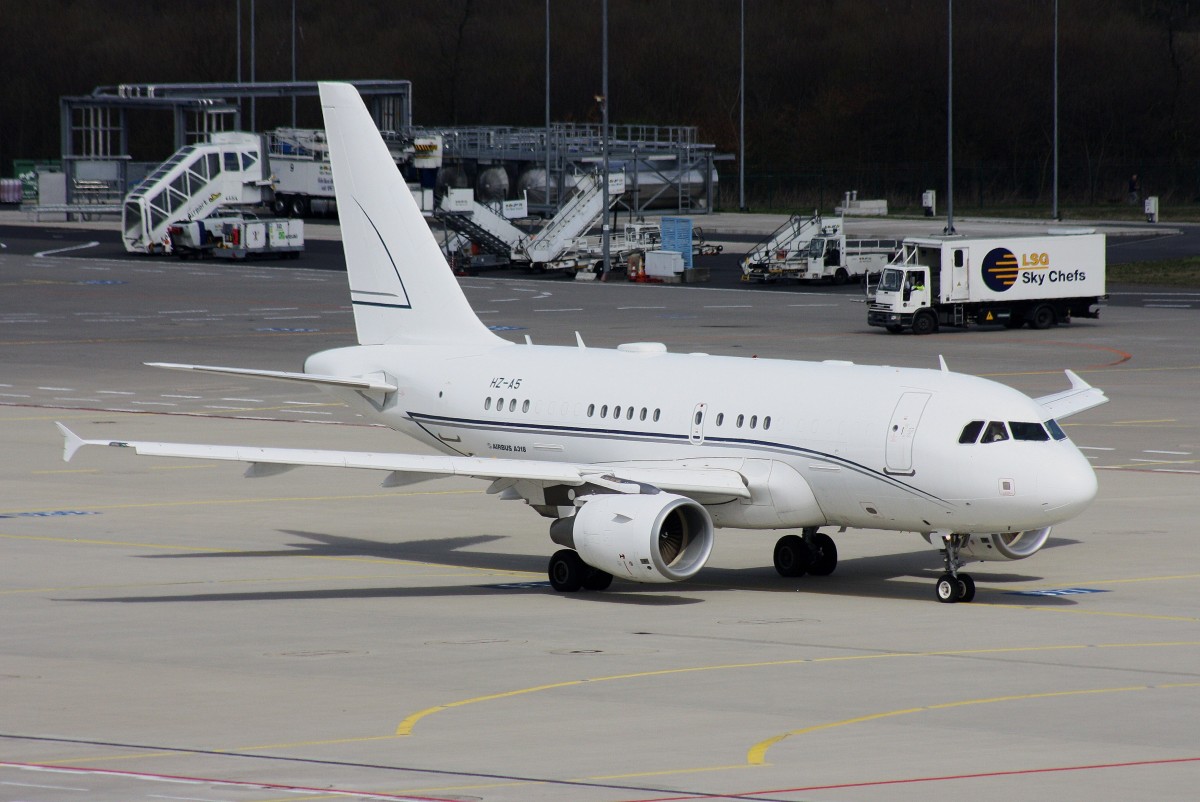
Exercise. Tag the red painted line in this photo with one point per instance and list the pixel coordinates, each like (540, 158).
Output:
(914, 780)
(137, 775)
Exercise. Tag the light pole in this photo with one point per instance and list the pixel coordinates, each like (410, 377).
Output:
(547, 197)
(604, 229)
(1054, 214)
(950, 118)
(742, 115)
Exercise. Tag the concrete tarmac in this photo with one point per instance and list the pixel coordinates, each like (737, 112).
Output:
(171, 630)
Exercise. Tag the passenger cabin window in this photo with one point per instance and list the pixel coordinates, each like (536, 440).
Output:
(1028, 431)
(753, 421)
(740, 420)
(720, 418)
(512, 405)
(487, 404)
(591, 410)
(525, 406)
(1055, 430)
(767, 422)
(656, 413)
(970, 432)
(642, 416)
(994, 433)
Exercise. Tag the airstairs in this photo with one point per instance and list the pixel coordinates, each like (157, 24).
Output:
(482, 225)
(792, 235)
(574, 219)
(193, 184)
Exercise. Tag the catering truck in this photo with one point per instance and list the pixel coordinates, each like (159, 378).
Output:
(1040, 280)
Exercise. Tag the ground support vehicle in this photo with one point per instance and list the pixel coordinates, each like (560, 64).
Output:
(816, 249)
(237, 237)
(1039, 280)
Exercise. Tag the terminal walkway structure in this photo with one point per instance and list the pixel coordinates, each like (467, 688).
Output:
(194, 183)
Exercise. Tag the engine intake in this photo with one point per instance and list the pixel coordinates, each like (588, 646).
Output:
(656, 537)
(1005, 545)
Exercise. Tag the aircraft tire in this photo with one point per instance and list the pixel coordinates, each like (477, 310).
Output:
(567, 570)
(966, 588)
(823, 555)
(792, 556)
(595, 579)
(947, 589)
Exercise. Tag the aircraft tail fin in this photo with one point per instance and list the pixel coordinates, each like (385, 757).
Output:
(401, 288)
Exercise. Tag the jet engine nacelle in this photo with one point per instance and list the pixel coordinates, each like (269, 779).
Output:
(1002, 546)
(654, 537)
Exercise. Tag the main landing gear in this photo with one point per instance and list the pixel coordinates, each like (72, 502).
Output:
(569, 573)
(813, 553)
(952, 586)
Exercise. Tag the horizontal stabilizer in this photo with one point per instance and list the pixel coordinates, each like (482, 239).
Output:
(1080, 397)
(352, 382)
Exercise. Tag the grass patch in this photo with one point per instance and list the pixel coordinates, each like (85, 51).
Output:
(1169, 273)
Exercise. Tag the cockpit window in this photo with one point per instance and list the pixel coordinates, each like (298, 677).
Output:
(994, 433)
(1028, 431)
(970, 432)
(1055, 430)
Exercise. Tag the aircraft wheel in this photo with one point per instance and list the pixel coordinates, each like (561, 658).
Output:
(966, 588)
(791, 556)
(947, 589)
(595, 579)
(823, 555)
(567, 570)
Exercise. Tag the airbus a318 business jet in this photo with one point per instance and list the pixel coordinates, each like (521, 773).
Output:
(636, 454)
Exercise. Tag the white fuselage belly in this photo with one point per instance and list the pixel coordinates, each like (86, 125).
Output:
(829, 422)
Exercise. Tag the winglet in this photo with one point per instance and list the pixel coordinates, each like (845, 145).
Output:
(1076, 382)
(71, 442)
(942, 363)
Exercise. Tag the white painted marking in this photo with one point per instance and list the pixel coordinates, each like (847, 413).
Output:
(244, 400)
(1173, 470)
(275, 309)
(504, 300)
(46, 787)
(1095, 448)
(89, 400)
(730, 306)
(154, 404)
(183, 312)
(59, 389)
(1175, 453)
(1162, 461)
(578, 309)
(620, 308)
(189, 397)
(114, 392)
(305, 403)
(217, 406)
(13, 395)
(84, 246)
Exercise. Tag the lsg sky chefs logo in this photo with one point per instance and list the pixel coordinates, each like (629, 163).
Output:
(1002, 269)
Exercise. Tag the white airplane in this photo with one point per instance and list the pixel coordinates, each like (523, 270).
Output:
(637, 454)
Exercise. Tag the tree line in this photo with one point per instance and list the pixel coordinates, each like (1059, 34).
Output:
(840, 94)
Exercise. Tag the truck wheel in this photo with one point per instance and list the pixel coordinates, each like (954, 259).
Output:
(840, 277)
(299, 206)
(280, 205)
(924, 323)
(1042, 317)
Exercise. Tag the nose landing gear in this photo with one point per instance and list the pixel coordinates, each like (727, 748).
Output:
(952, 586)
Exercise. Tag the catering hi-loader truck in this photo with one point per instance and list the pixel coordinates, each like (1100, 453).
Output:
(1040, 280)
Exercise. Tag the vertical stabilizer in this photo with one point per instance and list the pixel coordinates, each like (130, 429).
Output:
(401, 288)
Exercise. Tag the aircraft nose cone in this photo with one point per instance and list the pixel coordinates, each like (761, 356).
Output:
(1067, 485)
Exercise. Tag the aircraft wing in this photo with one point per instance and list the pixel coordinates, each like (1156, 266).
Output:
(1081, 396)
(409, 468)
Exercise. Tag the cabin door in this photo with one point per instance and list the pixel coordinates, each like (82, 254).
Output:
(901, 432)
